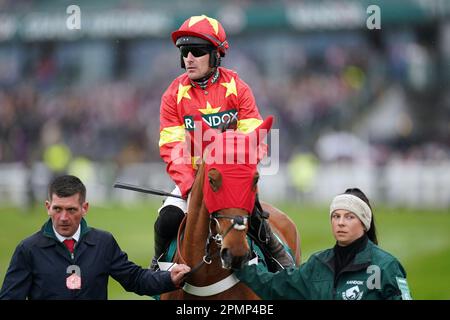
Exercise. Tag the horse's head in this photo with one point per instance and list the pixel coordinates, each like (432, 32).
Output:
(230, 187)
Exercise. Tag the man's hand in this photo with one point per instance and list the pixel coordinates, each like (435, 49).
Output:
(178, 272)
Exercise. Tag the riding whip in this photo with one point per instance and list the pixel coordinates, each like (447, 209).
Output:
(131, 187)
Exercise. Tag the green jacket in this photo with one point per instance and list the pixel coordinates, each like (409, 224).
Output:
(374, 274)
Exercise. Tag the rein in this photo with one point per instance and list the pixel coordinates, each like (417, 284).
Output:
(237, 222)
(207, 258)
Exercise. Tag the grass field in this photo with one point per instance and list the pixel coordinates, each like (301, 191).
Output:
(419, 239)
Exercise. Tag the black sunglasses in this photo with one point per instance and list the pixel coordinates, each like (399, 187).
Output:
(196, 51)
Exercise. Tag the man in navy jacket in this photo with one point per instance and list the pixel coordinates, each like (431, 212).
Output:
(67, 259)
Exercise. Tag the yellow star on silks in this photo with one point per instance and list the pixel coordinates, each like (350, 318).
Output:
(209, 109)
(212, 22)
(183, 92)
(231, 87)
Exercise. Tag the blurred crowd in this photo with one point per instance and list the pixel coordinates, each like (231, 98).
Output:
(101, 98)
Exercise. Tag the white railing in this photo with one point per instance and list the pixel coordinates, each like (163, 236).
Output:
(412, 184)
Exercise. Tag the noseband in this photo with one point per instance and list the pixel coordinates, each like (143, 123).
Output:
(237, 222)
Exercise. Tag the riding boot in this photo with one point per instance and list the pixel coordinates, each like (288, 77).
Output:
(166, 228)
(281, 257)
(260, 230)
(161, 244)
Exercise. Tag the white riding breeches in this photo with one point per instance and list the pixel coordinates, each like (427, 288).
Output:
(177, 202)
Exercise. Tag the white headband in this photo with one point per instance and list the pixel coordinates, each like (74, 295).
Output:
(353, 204)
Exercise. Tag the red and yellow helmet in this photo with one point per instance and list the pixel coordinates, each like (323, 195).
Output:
(205, 28)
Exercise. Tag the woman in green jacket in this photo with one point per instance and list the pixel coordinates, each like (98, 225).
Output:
(354, 269)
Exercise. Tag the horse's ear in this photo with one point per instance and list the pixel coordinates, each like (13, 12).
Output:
(264, 128)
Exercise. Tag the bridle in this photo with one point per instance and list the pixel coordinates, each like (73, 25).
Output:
(238, 222)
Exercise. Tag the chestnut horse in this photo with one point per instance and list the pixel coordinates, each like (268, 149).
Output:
(215, 229)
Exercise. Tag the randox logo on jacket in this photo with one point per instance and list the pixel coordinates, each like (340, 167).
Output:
(354, 293)
(213, 120)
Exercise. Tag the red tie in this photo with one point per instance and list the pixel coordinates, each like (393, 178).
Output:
(69, 244)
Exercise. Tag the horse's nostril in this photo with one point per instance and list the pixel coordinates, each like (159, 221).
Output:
(244, 259)
(226, 258)
(231, 261)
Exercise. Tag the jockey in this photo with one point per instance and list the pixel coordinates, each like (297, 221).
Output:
(209, 94)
